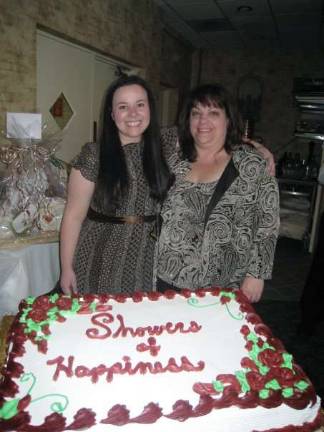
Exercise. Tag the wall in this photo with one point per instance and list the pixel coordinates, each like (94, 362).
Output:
(128, 30)
(277, 71)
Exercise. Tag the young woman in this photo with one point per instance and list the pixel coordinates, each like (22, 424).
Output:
(113, 192)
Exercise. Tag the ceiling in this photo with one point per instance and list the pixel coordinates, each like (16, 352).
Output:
(237, 24)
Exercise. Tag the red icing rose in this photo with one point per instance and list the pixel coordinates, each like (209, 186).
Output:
(200, 292)
(255, 380)
(46, 330)
(89, 298)
(24, 402)
(204, 407)
(37, 315)
(150, 414)
(230, 381)
(60, 318)
(118, 415)
(245, 330)
(42, 302)
(247, 308)
(64, 303)
(260, 343)
(286, 377)
(215, 291)
(137, 296)
(276, 343)
(253, 318)
(104, 298)
(182, 410)
(84, 418)
(225, 299)
(169, 294)
(247, 363)
(42, 346)
(204, 389)
(263, 330)
(249, 345)
(15, 423)
(53, 423)
(270, 358)
(120, 298)
(154, 295)
(14, 369)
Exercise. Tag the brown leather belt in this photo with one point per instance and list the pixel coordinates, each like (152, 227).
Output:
(132, 219)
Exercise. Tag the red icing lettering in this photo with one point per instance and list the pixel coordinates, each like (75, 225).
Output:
(81, 371)
(121, 368)
(60, 366)
(94, 333)
(103, 320)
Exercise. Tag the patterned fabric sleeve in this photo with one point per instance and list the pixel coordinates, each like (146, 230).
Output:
(267, 230)
(169, 143)
(87, 161)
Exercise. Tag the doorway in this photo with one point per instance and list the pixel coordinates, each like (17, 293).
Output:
(71, 83)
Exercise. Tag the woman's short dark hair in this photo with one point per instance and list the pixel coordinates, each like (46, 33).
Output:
(209, 95)
(113, 175)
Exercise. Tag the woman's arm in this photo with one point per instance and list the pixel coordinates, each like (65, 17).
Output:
(80, 192)
(265, 153)
(263, 245)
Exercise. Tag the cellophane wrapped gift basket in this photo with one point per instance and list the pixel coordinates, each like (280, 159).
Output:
(32, 185)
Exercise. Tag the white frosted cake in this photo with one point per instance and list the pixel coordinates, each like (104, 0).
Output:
(189, 362)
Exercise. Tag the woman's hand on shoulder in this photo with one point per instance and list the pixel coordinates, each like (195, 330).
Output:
(252, 288)
(265, 153)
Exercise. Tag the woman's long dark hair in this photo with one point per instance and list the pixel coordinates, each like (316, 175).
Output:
(209, 95)
(113, 175)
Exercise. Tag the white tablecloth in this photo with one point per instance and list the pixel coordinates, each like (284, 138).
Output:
(31, 270)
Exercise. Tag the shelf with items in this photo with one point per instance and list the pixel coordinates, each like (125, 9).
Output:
(310, 135)
(309, 130)
(297, 203)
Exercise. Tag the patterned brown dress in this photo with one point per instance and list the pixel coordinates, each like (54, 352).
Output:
(116, 258)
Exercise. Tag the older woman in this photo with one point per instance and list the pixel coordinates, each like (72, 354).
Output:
(221, 216)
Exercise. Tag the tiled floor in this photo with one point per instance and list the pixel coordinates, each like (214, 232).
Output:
(279, 308)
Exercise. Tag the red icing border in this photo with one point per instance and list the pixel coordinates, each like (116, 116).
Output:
(182, 410)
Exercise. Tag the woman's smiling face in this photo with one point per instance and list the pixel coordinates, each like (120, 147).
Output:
(208, 125)
(131, 112)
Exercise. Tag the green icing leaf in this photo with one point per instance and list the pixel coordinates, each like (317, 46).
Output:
(267, 346)
(93, 306)
(218, 386)
(53, 298)
(302, 385)
(30, 300)
(75, 305)
(227, 294)
(24, 315)
(33, 326)
(287, 360)
(264, 394)
(9, 409)
(241, 377)
(252, 337)
(287, 392)
(263, 369)
(273, 385)
(52, 312)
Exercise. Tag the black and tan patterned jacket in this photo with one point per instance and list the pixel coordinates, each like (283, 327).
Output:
(240, 236)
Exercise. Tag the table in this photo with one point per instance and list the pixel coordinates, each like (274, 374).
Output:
(29, 270)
